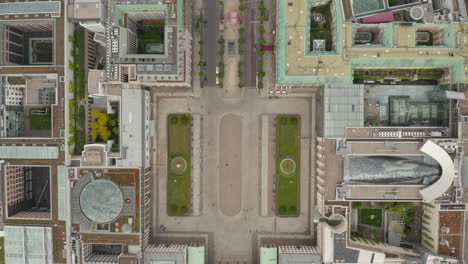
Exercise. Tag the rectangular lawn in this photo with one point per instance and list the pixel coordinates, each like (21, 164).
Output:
(179, 128)
(366, 215)
(40, 121)
(287, 164)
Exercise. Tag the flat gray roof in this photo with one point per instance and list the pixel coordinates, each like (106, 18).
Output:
(21, 8)
(132, 128)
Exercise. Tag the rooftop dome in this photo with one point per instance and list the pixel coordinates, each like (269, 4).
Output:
(101, 201)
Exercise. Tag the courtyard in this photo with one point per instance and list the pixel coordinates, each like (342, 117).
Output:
(321, 28)
(150, 37)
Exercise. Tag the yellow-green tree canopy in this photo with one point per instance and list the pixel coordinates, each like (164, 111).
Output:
(100, 126)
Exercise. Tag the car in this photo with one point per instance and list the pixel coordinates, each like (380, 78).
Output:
(234, 18)
(217, 80)
(217, 69)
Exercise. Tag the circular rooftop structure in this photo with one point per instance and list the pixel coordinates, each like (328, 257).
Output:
(417, 13)
(101, 201)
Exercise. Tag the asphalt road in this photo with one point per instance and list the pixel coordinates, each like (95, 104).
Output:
(211, 14)
(250, 55)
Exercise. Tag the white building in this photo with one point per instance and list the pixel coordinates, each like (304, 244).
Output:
(90, 14)
(14, 95)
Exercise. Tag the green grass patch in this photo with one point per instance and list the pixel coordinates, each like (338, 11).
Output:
(80, 67)
(77, 111)
(2, 250)
(287, 147)
(179, 128)
(366, 214)
(39, 121)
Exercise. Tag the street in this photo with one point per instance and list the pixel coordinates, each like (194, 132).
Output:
(210, 12)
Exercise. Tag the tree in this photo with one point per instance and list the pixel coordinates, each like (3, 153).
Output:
(240, 85)
(221, 52)
(112, 123)
(261, 53)
(260, 63)
(71, 141)
(71, 38)
(200, 53)
(262, 8)
(358, 205)
(241, 52)
(101, 126)
(71, 87)
(201, 31)
(241, 30)
(201, 42)
(71, 65)
(241, 41)
(241, 8)
(241, 63)
(261, 41)
(260, 85)
(262, 30)
(221, 75)
(260, 74)
(261, 19)
(221, 41)
(221, 3)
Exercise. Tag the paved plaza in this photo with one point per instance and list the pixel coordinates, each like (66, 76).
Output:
(228, 189)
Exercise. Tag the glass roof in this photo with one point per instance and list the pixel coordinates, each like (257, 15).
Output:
(26, 244)
(29, 152)
(41, 7)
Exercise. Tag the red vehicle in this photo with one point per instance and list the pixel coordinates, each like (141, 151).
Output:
(267, 47)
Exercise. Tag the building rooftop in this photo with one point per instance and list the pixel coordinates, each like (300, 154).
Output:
(88, 9)
(298, 66)
(27, 244)
(343, 106)
(132, 129)
(35, 7)
(268, 255)
(29, 152)
(101, 201)
(196, 255)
